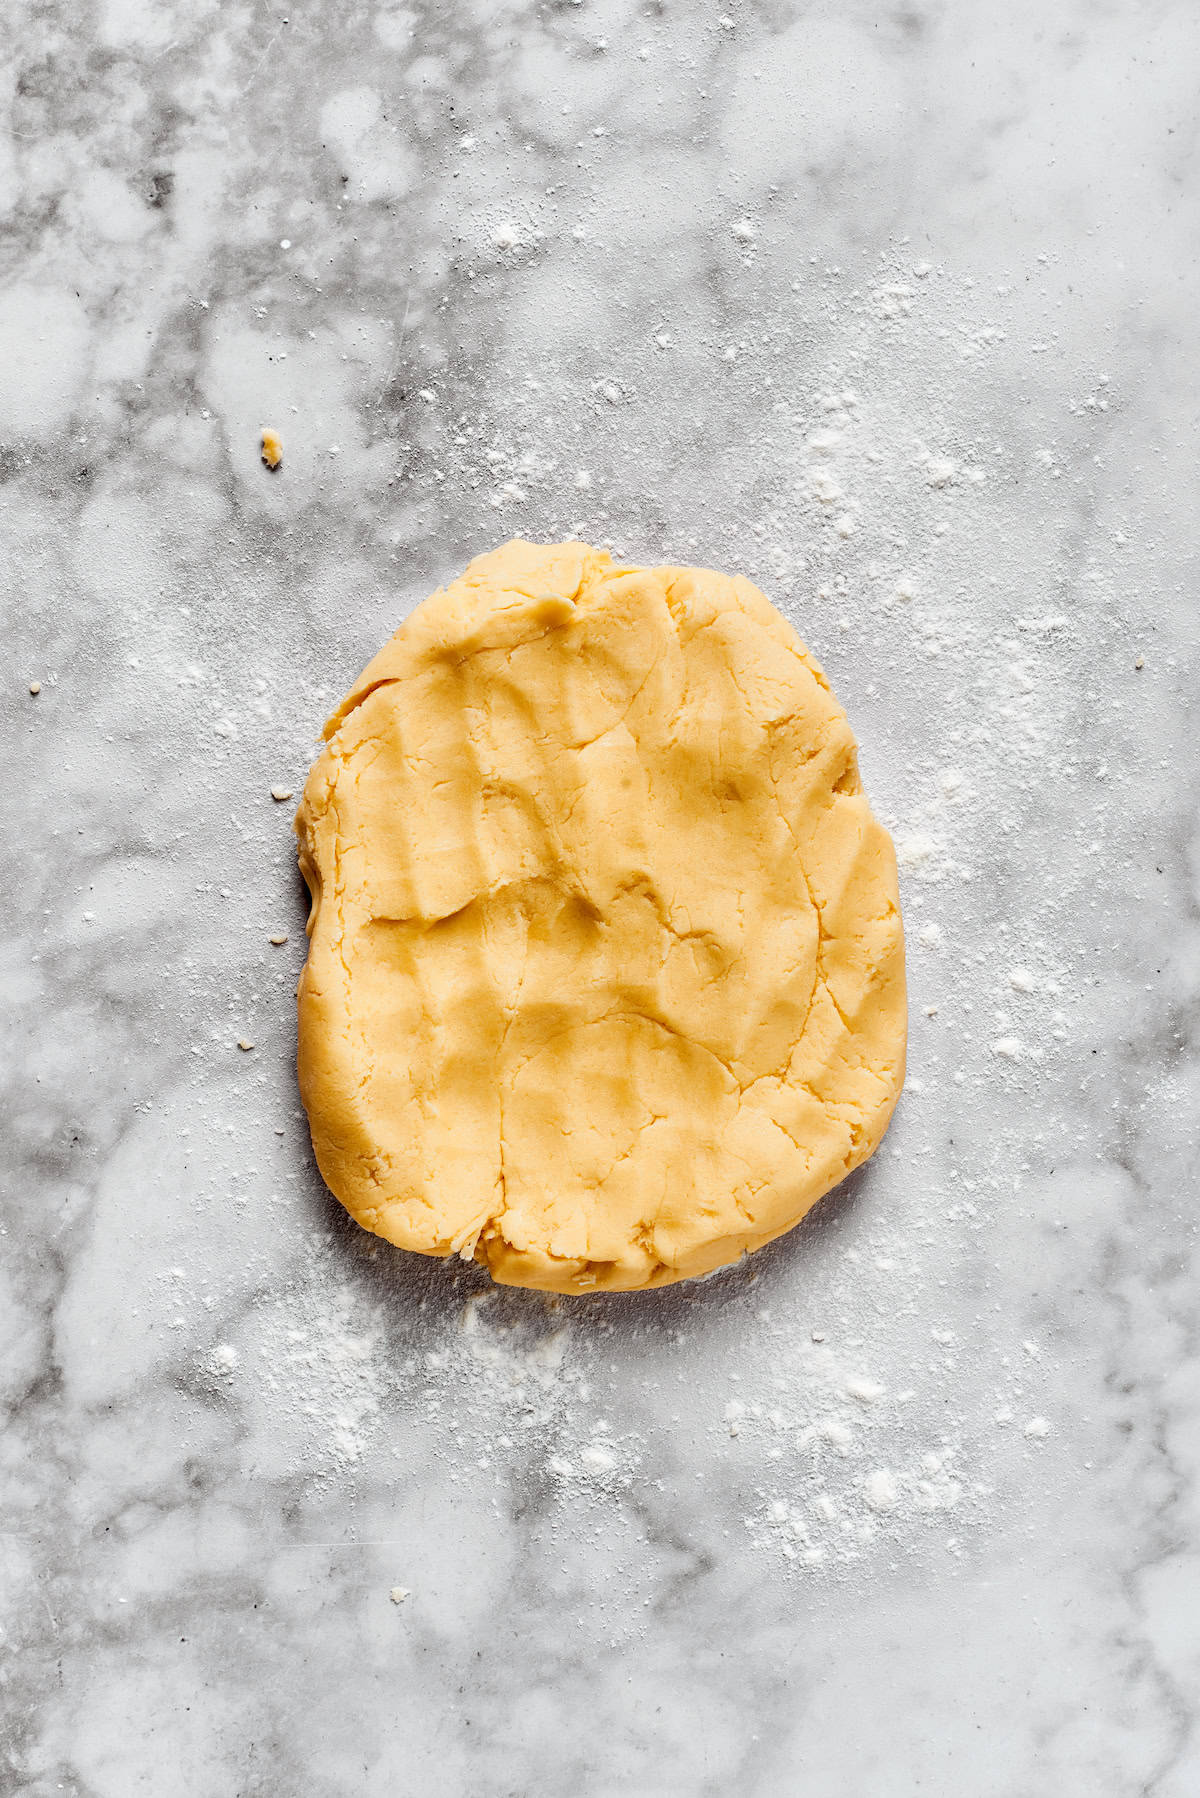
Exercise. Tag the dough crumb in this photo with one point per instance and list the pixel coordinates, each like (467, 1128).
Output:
(272, 449)
(279, 940)
(245, 1044)
(279, 794)
(35, 687)
(398, 1594)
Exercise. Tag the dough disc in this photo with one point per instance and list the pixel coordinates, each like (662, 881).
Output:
(605, 980)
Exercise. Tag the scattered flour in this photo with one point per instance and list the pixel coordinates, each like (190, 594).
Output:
(819, 1456)
(851, 494)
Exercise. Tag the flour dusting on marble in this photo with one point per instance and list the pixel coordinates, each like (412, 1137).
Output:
(861, 508)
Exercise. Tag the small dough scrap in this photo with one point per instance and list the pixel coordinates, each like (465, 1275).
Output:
(605, 978)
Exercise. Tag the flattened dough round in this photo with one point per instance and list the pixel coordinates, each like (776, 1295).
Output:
(605, 980)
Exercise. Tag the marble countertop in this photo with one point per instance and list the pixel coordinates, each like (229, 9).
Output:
(894, 310)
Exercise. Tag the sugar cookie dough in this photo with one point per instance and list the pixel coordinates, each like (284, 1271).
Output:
(605, 979)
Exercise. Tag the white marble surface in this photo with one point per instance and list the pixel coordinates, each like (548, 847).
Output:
(615, 268)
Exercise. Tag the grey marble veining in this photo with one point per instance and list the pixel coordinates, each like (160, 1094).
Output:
(894, 310)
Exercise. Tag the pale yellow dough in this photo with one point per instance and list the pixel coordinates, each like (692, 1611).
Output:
(605, 980)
